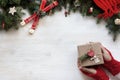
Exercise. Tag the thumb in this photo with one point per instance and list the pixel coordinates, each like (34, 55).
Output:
(106, 54)
(104, 51)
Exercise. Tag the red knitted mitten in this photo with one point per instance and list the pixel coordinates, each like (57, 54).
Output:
(100, 75)
(113, 66)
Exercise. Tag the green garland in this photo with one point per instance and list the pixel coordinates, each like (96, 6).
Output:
(8, 21)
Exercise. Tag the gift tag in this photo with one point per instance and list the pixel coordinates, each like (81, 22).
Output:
(95, 58)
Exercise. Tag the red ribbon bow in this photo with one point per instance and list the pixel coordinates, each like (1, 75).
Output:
(36, 15)
(110, 7)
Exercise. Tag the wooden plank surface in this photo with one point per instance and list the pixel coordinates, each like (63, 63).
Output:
(51, 53)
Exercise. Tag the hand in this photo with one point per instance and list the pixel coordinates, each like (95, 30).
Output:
(106, 54)
(96, 73)
(89, 70)
(112, 65)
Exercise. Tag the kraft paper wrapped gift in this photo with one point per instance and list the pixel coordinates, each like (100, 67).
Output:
(93, 48)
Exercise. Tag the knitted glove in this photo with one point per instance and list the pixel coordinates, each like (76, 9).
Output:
(113, 66)
(98, 75)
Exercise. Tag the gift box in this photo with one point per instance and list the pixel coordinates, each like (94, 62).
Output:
(90, 54)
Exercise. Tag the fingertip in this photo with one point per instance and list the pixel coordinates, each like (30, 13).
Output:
(83, 69)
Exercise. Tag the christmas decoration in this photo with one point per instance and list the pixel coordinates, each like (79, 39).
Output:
(76, 3)
(90, 54)
(107, 10)
(91, 10)
(12, 10)
(42, 11)
(117, 21)
(66, 13)
(3, 25)
(110, 7)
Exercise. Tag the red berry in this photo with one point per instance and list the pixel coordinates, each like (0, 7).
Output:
(91, 53)
(3, 25)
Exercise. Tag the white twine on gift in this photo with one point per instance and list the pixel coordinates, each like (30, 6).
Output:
(95, 58)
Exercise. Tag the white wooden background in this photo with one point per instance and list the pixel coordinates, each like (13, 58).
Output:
(51, 53)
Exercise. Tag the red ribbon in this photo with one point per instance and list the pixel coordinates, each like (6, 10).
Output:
(110, 7)
(42, 9)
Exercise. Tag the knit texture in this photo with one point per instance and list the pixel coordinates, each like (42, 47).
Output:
(112, 66)
(100, 75)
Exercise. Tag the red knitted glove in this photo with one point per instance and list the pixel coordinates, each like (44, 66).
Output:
(113, 66)
(98, 75)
